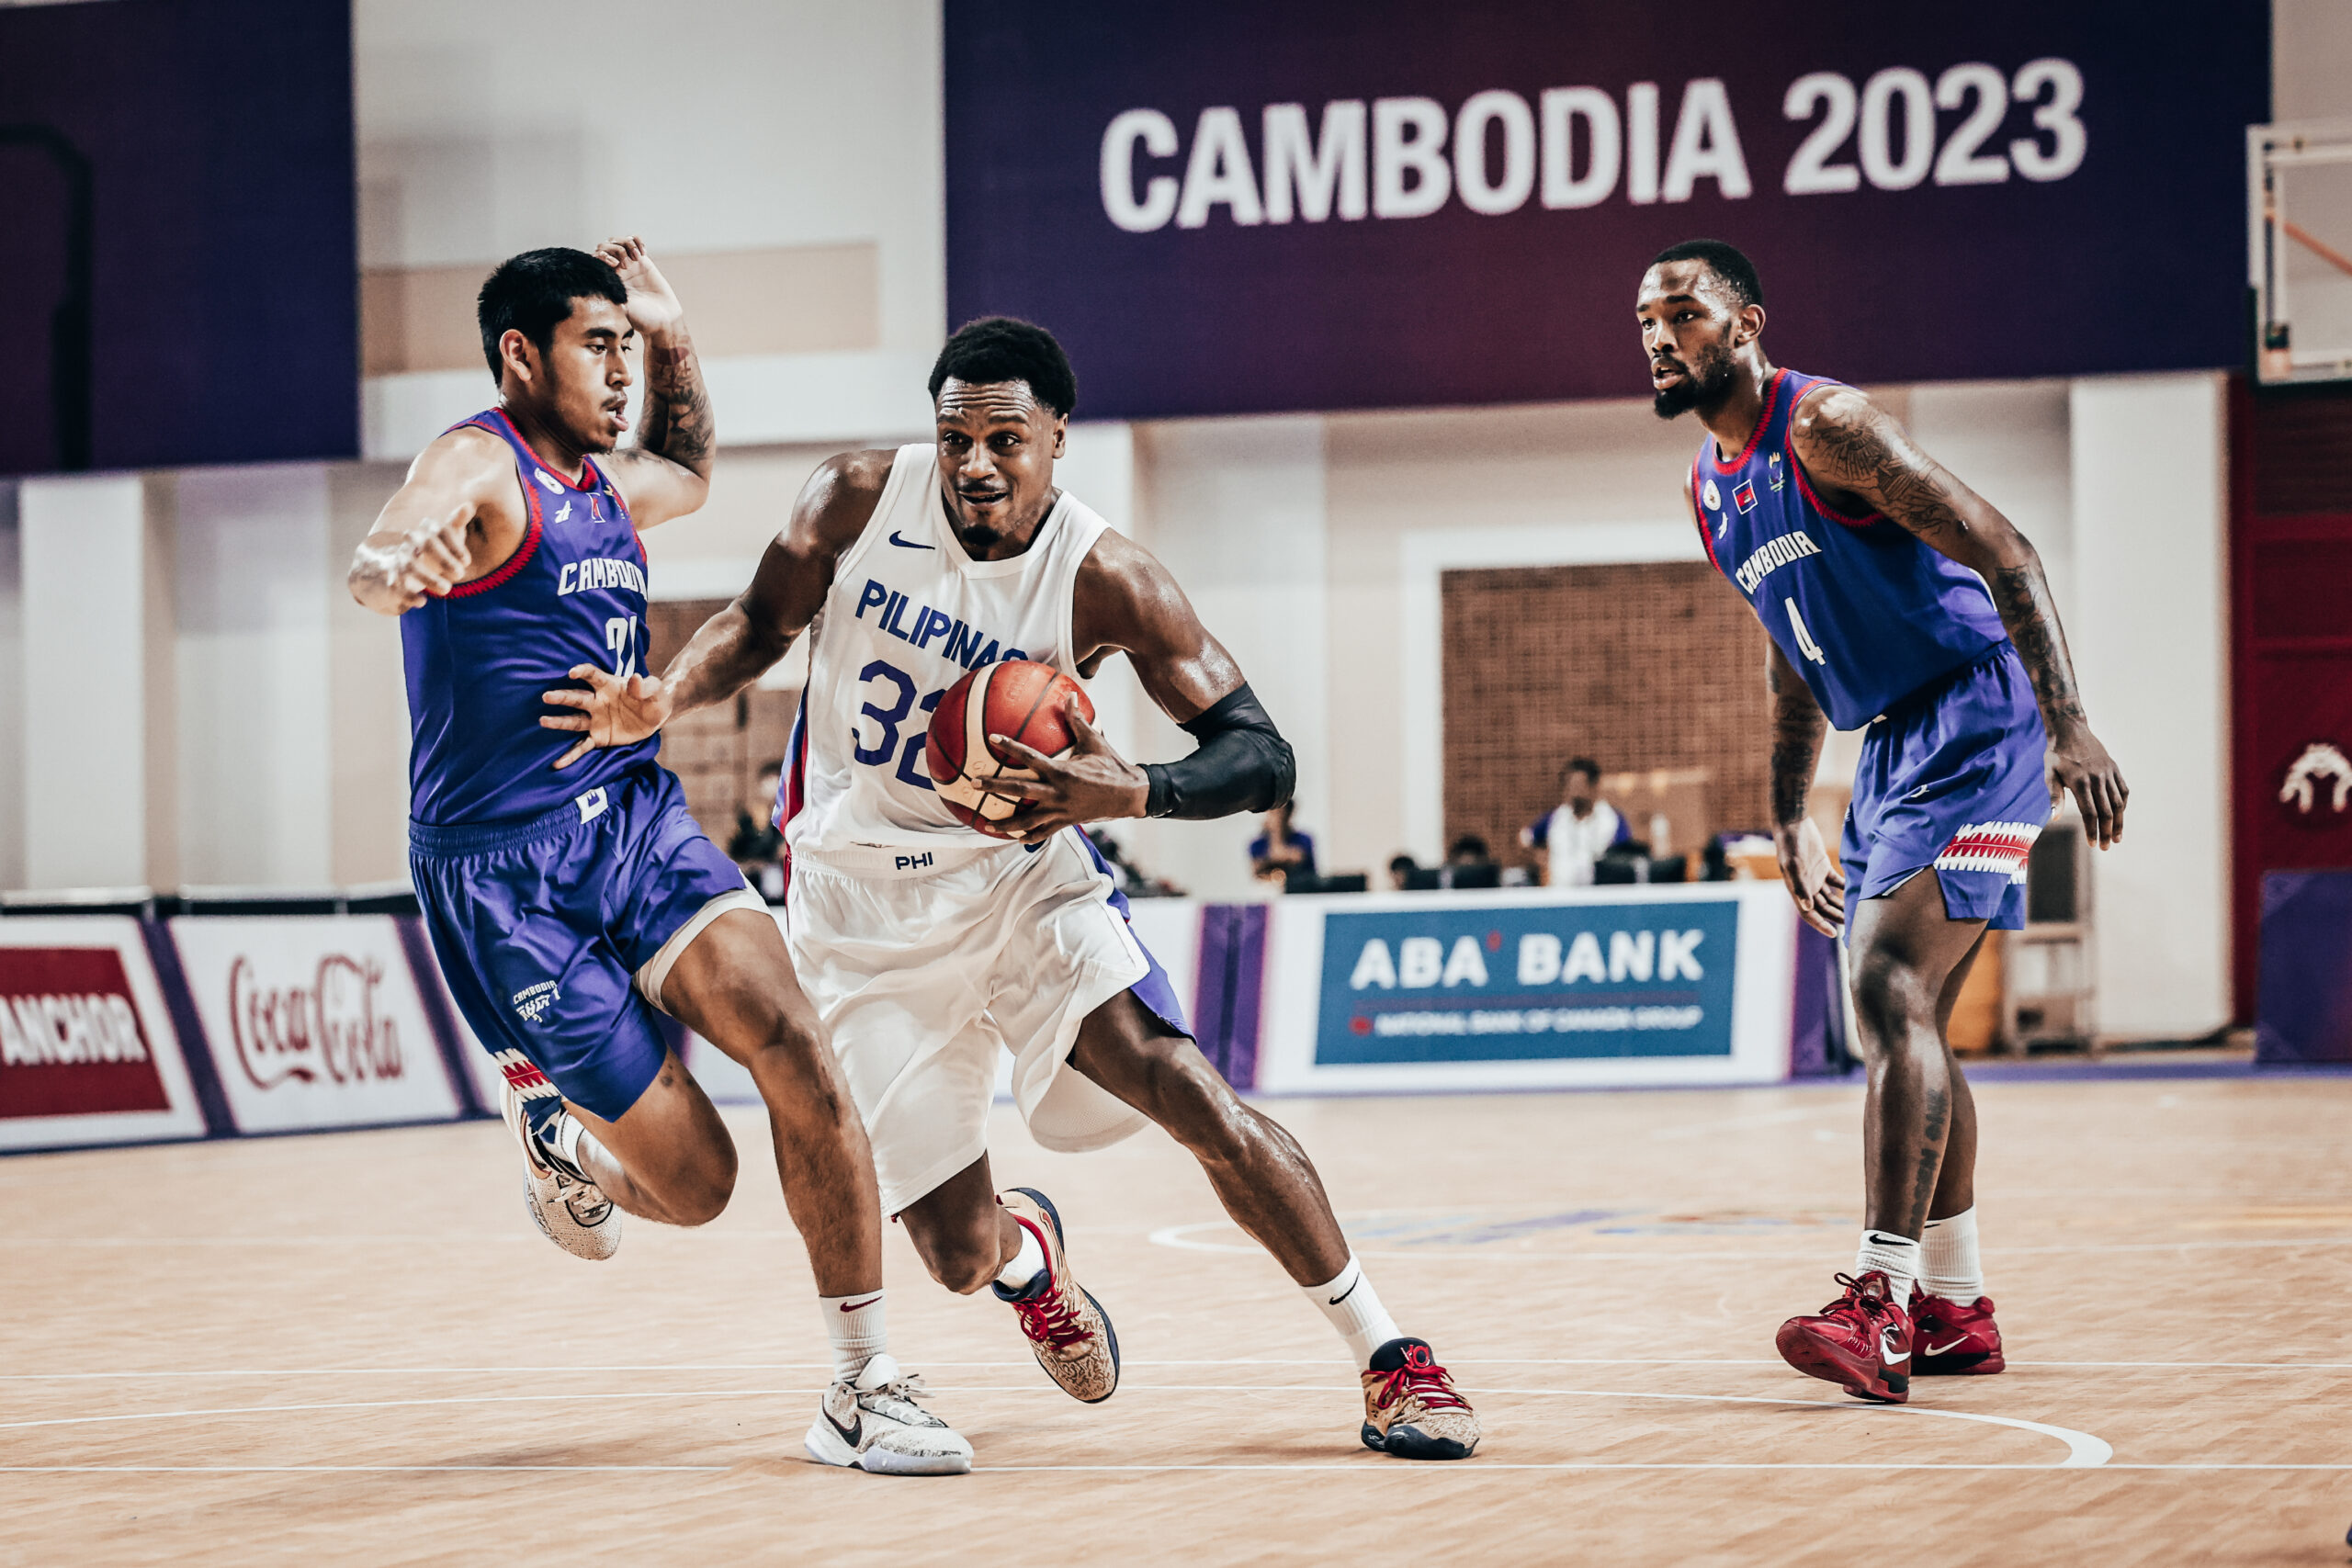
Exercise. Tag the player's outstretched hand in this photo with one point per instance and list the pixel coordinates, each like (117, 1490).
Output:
(1816, 880)
(614, 711)
(651, 306)
(2079, 765)
(1091, 783)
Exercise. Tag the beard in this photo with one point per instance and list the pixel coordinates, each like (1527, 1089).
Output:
(1705, 381)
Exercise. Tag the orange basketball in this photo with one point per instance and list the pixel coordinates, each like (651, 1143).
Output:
(1018, 699)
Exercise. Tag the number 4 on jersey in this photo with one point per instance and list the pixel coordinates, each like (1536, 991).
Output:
(1806, 645)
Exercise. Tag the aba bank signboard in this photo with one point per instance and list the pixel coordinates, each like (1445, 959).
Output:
(1231, 209)
(1623, 986)
(88, 1051)
(1570, 980)
(314, 1021)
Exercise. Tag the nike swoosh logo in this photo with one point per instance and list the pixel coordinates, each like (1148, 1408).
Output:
(908, 543)
(1886, 1353)
(859, 1306)
(851, 1433)
(1350, 1290)
(1939, 1349)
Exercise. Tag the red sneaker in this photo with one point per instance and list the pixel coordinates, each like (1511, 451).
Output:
(1954, 1342)
(1861, 1341)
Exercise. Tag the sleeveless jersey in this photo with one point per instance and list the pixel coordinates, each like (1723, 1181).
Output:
(1865, 610)
(908, 613)
(572, 593)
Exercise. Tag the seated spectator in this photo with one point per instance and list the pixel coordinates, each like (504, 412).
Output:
(1127, 876)
(1282, 851)
(1400, 872)
(756, 847)
(1570, 839)
(1468, 863)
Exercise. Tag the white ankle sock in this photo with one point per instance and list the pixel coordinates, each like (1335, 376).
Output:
(1355, 1309)
(1896, 1257)
(1026, 1265)
(562, 1138)
(1952, 1271)
(855, 1330)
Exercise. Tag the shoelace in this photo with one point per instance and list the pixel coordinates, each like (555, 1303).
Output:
(1428, 1384)
(896, 1401)
(1869, 1303)
(1050, 1319)
(584, 1198)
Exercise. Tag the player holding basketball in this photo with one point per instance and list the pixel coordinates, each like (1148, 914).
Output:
(926, 946)
(1897, 599)
(566, 907)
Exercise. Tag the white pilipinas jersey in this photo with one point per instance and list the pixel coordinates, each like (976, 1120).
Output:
(908, 615)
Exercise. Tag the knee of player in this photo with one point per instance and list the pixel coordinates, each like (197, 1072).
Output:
(965, 1264)
(1197, 1106)
(1888, 990)
(792, 1060)
(701, 1191)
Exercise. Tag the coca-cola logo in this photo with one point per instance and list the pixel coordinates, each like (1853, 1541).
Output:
(332, 1031)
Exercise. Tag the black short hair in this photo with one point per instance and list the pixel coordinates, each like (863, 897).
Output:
(532, 292)
(1403, 863)
(1584, 765)
(1000, 348)
(1725, 261)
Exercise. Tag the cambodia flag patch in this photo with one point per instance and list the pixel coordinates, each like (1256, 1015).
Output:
(1745, 496)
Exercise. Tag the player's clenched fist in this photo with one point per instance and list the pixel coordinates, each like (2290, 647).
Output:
(429, 559)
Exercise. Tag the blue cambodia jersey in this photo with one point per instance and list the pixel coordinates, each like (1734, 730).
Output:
(574, 593)
(1864, 609)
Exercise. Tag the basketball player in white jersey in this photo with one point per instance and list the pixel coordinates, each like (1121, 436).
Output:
(927, 946)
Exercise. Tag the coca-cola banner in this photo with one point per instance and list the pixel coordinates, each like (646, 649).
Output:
(1228, 208)
(88, 1051)
(314, 1021)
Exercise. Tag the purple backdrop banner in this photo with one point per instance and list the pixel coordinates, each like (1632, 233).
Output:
(176, 188)
(1227, 207)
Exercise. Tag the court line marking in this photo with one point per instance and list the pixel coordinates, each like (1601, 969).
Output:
(2083, 1449)
(1362, 1467)
(1179, 1237)
(1132, 1362)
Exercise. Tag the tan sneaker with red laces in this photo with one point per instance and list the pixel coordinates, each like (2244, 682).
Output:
(1069, 1331)
(1410, 1408)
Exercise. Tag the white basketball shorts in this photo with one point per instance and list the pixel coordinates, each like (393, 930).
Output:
(922, 976)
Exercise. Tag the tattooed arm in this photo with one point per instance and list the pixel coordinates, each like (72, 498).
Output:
(1860, 459)
(667, 473)
(1814, 880)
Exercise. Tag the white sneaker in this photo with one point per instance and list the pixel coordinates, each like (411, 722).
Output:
(876, 1425)
(569, 1210)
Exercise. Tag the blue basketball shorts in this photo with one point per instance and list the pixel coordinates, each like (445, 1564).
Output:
(1953, 780)
(556, 932)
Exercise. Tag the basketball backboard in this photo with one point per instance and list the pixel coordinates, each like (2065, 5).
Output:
(2299, 249)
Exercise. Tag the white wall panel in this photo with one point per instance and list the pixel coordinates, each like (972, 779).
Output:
(256, 796)
(2148, 637)
(82, 543)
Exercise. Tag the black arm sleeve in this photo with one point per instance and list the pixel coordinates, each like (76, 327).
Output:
(1242, 764)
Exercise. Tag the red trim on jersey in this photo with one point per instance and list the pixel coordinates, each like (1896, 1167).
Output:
(579, 484)
(792, 793)
(1764, 421)
(515, 563)
(1699, 516)
(1788, 445)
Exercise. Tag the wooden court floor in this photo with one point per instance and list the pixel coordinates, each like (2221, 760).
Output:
(353, 1348)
